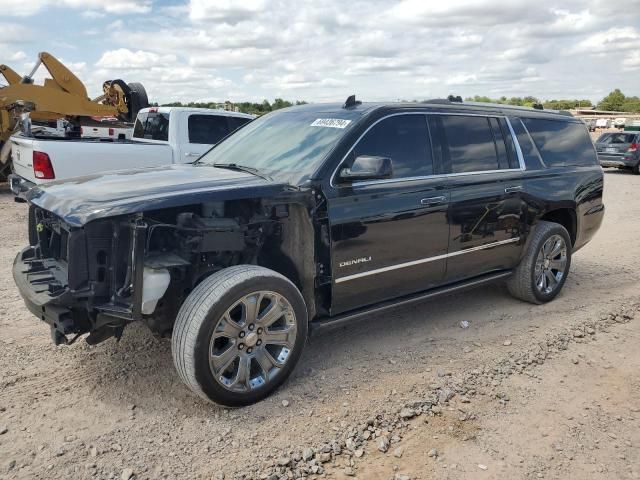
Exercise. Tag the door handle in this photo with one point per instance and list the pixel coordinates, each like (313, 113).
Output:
(191, 154)
(517, 188)
(432, 200)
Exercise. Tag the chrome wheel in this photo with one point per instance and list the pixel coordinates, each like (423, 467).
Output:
(551, 264)
(252, 341)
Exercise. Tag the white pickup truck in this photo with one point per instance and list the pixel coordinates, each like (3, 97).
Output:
(161, 136)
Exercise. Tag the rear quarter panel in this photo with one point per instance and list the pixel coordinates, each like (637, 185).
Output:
(576, 188)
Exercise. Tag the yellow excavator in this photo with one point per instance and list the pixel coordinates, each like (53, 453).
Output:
(61, 96)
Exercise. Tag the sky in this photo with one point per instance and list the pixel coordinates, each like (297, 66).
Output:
(249, 50)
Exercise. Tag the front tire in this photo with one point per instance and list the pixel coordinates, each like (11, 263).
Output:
(239, 335)
(543, 270)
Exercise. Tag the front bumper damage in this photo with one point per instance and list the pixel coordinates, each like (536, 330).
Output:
(76, 309)
(42, 284)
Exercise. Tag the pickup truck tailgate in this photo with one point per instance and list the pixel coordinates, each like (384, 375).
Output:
(22, 155)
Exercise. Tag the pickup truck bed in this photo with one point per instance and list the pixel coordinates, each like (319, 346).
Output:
(88, 155)
(161, 136)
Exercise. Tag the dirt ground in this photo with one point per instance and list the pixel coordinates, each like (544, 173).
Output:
(525, 391)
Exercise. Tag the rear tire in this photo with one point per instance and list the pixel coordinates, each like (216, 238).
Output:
(239, 335)
(636, 169)
(543, 270)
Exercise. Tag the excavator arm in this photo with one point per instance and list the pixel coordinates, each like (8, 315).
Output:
(61, 96)
(9, 75)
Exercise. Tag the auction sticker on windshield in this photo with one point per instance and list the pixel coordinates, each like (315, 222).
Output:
(330, 122)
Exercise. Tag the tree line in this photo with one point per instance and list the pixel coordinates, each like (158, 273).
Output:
(245, 107)
(615, 101)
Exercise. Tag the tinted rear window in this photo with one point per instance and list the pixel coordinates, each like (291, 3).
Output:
(471, 145)
(561, 143)
(152, 126)
(207, 129)
(618, 138)
(236, 122)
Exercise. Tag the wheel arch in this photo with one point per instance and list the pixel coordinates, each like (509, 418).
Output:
(566, 217)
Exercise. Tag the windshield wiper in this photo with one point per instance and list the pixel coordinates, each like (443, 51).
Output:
(242, 168)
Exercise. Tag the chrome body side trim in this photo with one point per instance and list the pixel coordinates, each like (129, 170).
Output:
(424, 260)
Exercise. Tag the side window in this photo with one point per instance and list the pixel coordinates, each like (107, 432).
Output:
(561, 143)
(405, 140)
(207, 129)
(529, 151)
(236, 122)
(468, 145)
(152, 126)
(138, 127)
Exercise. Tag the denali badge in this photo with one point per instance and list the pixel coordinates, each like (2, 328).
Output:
(355, 261)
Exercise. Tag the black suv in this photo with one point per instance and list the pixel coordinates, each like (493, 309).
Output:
(308, 217)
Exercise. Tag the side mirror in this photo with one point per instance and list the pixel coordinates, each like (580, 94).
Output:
(366, 167)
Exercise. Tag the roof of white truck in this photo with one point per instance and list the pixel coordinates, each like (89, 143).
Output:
(212, 111)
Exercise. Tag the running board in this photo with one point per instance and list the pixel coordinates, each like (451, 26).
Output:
(329, 323)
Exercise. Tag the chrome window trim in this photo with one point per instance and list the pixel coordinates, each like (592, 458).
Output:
(537, 151)
(424, 260)
(440, 175)
(519, 153)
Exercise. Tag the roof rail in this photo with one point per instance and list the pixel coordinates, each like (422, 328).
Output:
(442, 101)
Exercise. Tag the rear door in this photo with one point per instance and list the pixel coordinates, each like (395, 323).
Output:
(486, 212)
(389, 237)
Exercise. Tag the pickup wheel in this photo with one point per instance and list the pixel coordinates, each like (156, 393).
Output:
(544, 268)
(239, 334)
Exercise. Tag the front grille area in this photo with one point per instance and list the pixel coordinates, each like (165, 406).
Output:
(94, 257)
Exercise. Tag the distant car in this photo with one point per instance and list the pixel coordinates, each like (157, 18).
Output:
(620, 150)
(603, 123)
(619, 122)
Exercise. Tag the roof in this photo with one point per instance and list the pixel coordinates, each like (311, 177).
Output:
(217, 111)
(439, 104)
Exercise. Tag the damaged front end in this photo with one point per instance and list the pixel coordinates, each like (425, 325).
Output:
(97, 278)
(83, 280)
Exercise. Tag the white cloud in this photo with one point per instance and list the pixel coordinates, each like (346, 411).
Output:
(613, 39)
(380, 49)
(92, 7)
(632, 61)
(124, 59)
(230, 11)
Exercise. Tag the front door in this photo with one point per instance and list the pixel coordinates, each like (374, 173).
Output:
(389, 237)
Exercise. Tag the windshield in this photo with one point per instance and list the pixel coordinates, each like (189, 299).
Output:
(289, 144)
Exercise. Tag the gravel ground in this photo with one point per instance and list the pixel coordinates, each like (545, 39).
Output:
(524, 391)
